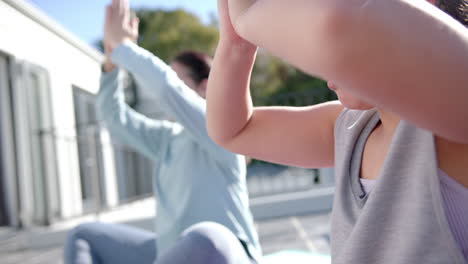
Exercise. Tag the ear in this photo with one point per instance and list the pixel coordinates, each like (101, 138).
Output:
(431, 1)
(202, 87)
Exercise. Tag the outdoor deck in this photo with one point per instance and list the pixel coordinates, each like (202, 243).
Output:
(309, 232)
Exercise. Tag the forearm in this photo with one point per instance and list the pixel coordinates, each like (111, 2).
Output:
(123, 123)
(229, 106)
(111, 107)
(110, 101)
(149, 70)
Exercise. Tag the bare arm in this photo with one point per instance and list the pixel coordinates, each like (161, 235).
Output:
(294, 136)
(404, 56)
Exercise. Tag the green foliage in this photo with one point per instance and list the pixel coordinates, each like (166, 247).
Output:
(277, 83)
(167, 32)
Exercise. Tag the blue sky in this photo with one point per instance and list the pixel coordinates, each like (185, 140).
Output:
(85, 18)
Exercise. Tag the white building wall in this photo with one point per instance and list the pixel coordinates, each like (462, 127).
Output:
(28, 35)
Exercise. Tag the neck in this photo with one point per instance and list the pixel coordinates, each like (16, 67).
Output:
(388, 122)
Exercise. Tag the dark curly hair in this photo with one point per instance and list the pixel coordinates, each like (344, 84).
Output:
(198, 63)
(458, 9)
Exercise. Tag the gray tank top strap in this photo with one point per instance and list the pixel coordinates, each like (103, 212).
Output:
(402, 220)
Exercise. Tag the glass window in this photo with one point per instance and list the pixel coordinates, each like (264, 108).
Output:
(4, 124)
(89, 150)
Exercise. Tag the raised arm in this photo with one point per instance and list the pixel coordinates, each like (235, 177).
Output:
(404, 56)
(144, 134)
(294, 136)
(176, 98)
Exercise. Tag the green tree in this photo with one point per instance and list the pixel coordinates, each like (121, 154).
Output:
(167, 32)
(274, 82)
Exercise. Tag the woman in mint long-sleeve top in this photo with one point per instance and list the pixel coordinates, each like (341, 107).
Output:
(202, 213)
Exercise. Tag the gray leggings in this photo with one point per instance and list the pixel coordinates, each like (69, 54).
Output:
(108, 243)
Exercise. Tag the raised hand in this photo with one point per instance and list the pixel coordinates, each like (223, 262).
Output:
(119, 24)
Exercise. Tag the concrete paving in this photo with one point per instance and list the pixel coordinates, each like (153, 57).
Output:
(308, 232)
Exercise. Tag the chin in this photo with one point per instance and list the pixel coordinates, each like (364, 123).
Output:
(351, 102)
(355, 104)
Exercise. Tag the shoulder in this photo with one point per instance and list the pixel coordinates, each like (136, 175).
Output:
(350, 123)
(349, 118)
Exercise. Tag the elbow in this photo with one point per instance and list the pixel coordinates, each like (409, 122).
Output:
(223, 143)
(229, 142)
(329, 46)
(335, 23)
(218, 137)
(214, 123)
(221, 137)
(323, 39)
(226, 132)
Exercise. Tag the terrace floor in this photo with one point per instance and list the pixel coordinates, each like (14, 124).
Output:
(308, 233)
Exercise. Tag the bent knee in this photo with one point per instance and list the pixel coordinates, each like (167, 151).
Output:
(218, 242)
(83, 231)
(208, 230)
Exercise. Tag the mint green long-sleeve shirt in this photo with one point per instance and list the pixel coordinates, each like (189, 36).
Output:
(195, 180)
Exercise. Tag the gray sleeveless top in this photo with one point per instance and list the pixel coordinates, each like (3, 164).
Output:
(402, 221)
